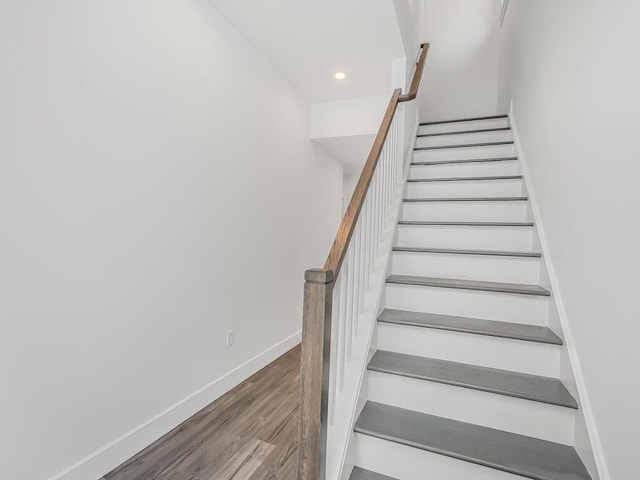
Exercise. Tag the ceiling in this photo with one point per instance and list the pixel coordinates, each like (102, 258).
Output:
(309, 41)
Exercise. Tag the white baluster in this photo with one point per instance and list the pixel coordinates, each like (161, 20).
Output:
(374, 210)
(378, 208)
(387, 153)
(392, 171)
(342, 322)
(363, 260)
(356, 277)
(394, 157)
(382, 202)
(349, 306)
(365, 241)
(385, 192)
(368, 242)
(399, 154)
(382, 192)
(333, 364)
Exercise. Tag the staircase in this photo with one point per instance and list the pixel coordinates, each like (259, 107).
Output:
(464, 381)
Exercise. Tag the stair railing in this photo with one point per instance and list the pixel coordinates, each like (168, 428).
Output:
(335, 294)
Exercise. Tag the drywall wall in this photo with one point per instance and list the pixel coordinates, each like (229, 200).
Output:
(461, 76)
(570, 68)
(356, 116)
(346, 128)
(410, 16)
(157, 188)
(349, 184)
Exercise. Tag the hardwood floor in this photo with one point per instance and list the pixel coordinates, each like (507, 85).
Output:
(248, 434)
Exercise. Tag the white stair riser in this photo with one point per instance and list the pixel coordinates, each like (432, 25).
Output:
(475, 211)
(464, 126)
(487, 238)
(465, 139)
(470, 169)
(409, 463)
(471, 267)
(488, 151)
(485, 351)
(471, 188)
(524, 417)
(530, 309)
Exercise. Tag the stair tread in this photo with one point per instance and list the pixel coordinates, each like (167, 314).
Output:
(465, 160)
(458, 120)
(464, 224)
(361, 474)
(493, 380)
(459, 283)
(460, 132)
(517, 454)
(478, 326)
(496, 253)
(464, 179)
(467, 199)
(466, 145)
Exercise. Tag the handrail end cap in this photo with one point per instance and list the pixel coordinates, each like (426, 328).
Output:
(318, 275)
(407, 97)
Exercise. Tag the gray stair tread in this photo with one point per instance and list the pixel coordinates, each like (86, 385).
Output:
(478, 326)
(464, 224)
(502, 382)
(361, 474)
(466, 160)
(458, 120)
(459, 132)
(466, 199)
(496, 253)
(466, 145)
(499, 287)
(464, 179)
(509, 452)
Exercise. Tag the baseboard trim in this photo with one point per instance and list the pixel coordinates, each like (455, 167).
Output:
(118, 451)
(585, 404)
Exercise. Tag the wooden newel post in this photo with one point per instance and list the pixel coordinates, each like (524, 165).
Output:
(314, 374)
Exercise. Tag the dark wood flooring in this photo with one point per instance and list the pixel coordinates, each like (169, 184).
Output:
(250, 433)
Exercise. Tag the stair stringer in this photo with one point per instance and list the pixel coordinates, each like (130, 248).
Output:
(586, 437)
(340, 431)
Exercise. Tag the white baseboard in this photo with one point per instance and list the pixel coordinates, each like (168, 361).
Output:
(585, 404)
(113, 454)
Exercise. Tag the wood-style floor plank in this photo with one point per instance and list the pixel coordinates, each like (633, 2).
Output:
(250, 433)
(246, 461)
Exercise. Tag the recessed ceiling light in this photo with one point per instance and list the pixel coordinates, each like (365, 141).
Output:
(339, 75)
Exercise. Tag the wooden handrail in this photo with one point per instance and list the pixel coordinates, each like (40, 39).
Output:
(415, 83)
(339, 247)
(317, 310)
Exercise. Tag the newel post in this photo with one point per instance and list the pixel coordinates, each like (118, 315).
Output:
(314, 374)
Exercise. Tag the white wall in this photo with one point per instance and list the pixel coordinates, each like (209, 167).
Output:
(346, 128)
(356, 116)
(410, 16)
(157, 188)
(349, 183)
(461, 74)
(571, 68)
